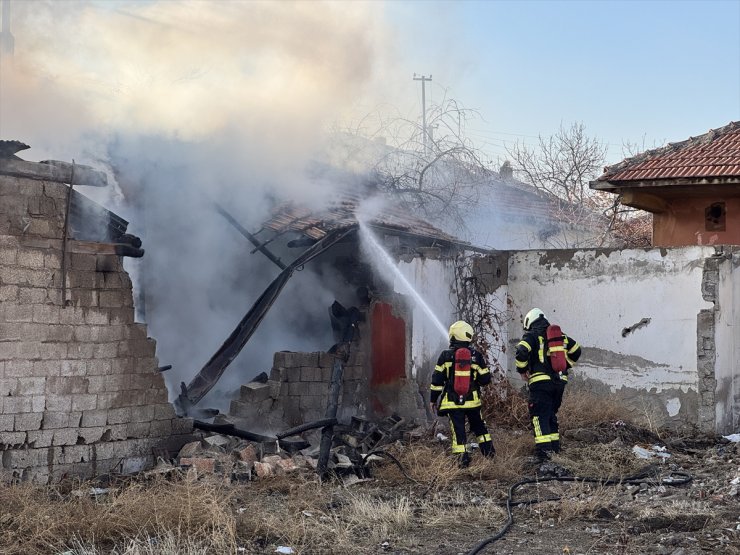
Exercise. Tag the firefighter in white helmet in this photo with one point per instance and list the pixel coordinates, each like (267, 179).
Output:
(543, 358)
(460, 373)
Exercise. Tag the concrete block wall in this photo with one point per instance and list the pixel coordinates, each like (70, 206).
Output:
(80, 389)
(298, 390)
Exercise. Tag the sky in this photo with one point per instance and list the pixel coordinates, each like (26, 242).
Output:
(644, 72)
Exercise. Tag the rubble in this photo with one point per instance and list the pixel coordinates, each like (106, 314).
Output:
(238, 459)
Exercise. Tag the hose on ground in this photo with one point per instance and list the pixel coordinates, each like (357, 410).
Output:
(673, 479)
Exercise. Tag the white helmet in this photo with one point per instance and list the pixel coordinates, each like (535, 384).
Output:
(531, 316)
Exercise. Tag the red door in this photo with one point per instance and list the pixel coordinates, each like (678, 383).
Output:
(388, 346)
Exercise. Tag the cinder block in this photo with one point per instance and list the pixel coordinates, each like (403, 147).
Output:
(65, 436)
(6, 422)
(73, 368)
(54, 420)
(28, 421)
(45, 368)
(80, 261)
(122, 316)
(29, 295)
(142, 414)
(58, 403)
(182, 426)
(46, 314)
(111, 299)
(30, 258)
(29, 386)
(9, 293)
(18, 312)
(51, 351)
(66, 385)
(75, 454)
(80, 351)
(296, 389)
(318, 388)
(156, 396)
(119, 415)
(96, 317)
(160, 428)
(12, 440)
(145, 365)
(8, 386)
(40, 438)
(17, 405)
(98, 367)
(25, 458)
(94, 418)
(18, 368)
(8, 256)
(164, 411)
(91, 435)
(137, 429)
(59, 333)
(254, 392)
(52, 261)
(275, 388)
(38, 403)
(84, 402)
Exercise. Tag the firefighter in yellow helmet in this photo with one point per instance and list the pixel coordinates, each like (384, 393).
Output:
(543, 358)
(460, 373)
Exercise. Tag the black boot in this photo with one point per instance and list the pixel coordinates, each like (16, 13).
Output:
(465, 460)
(486, 449)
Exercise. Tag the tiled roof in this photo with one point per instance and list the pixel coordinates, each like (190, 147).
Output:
(714, 154)
(341, 214)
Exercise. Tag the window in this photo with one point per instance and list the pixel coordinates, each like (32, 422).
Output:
(714, 217)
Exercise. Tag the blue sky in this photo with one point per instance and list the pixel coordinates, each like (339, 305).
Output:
(651, 71)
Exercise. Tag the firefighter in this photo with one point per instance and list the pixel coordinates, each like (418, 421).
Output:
(460, 373)
(534, 361)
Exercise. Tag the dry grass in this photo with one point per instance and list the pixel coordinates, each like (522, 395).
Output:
(582, 409)
(600, 460)
(41, 520)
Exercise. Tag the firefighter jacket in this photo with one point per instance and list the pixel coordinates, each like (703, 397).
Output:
(532, 356)
(443, 379)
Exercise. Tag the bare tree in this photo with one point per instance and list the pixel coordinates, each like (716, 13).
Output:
(561, 166)
(437, 178)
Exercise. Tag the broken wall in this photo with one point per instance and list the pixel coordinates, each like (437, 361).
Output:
(657, 326)
(81, 393)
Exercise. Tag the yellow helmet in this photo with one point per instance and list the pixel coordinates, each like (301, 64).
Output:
(461, 331)
(531, 316)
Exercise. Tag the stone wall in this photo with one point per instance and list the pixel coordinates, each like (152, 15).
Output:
(80, 389)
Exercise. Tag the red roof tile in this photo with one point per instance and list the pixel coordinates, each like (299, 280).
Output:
(714, 154)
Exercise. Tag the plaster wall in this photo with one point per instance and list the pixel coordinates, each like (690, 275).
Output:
(636, 313)
(726, 371)
(685, 223)
(431, 278)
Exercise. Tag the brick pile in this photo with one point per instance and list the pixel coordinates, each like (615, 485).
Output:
(80, 389)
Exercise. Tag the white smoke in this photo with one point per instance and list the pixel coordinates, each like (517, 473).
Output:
(189, 103)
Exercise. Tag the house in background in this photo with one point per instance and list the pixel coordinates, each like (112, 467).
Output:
(692, 188)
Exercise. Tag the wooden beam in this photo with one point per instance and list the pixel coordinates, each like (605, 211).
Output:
(645, 201)
(119, 249)
(53, 170)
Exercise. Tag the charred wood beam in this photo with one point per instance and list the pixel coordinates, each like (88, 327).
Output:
(207, 377)
(231, 430)
(120, 249)
(250, 237)
(327, 433)
(65, 236)
(305, 427)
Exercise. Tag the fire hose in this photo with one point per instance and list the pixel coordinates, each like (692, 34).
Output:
(673, 479)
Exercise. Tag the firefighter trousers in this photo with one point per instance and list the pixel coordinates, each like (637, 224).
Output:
(545, 398)
(477, 427)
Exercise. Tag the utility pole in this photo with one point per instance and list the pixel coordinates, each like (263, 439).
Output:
(6, 37)
(423, 80)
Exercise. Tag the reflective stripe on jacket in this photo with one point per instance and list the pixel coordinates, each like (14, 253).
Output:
(531, 356)
(443, 379)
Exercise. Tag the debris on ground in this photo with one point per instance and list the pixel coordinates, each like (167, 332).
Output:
(237, 459)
